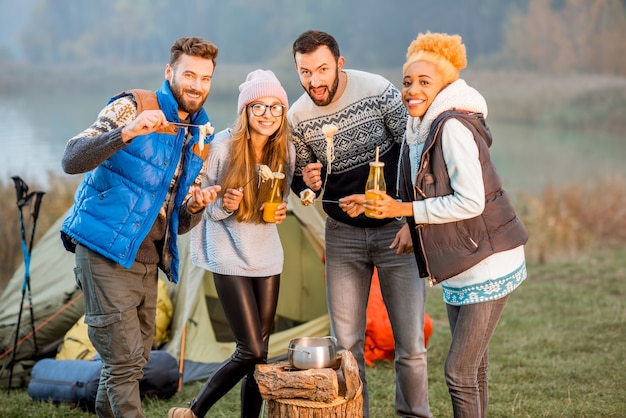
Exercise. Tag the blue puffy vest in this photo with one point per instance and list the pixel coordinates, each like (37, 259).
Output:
(117, 203)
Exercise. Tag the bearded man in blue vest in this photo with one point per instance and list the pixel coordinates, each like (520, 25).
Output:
(142, 158)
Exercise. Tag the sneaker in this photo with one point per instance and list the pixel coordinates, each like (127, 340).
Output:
(180, 413)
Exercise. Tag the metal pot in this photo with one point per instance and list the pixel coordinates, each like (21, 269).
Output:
(312, 352)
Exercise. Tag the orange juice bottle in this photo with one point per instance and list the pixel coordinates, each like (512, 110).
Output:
(376, 181)
(276, 198)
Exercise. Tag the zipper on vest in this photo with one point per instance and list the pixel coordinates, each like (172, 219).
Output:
(431, 280)
(421, 192)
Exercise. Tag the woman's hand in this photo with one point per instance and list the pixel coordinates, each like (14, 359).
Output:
(281, 213)
(403, 243)
(386, 206)
(232, 199)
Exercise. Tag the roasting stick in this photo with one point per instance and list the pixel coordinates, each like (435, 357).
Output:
(185, 125)
(205, 130)
(307, 196)
(264, 172)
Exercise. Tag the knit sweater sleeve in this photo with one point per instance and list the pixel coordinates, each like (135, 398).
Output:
(395, 114)
(186, 219)
(103, 138)
(216, 164)
(305, 154)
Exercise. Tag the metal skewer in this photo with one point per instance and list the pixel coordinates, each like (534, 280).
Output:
(246, 183)
(184, 125)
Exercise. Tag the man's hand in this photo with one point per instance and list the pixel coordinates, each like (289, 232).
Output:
(353, 204)
(200, 198)
(312, 176)
(147, 122)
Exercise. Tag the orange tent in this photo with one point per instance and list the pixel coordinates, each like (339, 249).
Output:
(379, 343)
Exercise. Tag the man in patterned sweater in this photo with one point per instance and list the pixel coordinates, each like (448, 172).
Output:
(368, 113)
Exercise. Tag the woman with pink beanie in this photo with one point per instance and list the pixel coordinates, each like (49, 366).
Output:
(244, 252)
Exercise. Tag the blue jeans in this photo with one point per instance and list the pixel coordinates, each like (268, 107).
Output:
(351, 255)
(467, 363)
(120, 311)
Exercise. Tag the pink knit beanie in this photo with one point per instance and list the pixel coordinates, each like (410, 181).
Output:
(260, 83)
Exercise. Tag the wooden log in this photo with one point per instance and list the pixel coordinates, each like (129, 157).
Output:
(277, 381)
(350, 371)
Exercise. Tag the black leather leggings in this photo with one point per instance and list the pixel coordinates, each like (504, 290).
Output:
(250, 306)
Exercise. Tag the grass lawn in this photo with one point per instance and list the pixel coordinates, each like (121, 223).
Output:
(559, 351)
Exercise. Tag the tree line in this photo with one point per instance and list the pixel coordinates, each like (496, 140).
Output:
(543, 35)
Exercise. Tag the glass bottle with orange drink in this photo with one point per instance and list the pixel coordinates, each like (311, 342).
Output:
(375, 181)
(276, 197)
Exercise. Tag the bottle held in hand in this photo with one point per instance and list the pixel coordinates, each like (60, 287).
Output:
(376, 181)
(276, 198)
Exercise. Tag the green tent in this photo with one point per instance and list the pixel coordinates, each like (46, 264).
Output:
(198, 332)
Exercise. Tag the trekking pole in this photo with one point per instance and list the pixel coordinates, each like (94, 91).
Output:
(35, 214)
(23, 199)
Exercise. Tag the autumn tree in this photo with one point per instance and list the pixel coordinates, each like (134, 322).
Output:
(571, 36)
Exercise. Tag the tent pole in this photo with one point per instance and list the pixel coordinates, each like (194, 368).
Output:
(181, 363)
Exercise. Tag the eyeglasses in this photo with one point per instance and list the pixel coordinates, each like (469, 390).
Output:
(259, 109)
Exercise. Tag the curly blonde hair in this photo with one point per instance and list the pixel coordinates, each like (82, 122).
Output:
(446, 52)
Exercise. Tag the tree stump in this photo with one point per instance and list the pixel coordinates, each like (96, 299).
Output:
(301, 408)
(292, 393)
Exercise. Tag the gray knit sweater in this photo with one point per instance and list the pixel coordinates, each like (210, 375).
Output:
(223, 245)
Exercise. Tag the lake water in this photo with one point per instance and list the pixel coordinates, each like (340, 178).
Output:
(34, 132)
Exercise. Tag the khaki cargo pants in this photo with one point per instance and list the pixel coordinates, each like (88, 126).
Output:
(120, 311)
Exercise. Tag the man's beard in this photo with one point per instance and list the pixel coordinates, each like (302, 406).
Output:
(183, 104)
(331, 92)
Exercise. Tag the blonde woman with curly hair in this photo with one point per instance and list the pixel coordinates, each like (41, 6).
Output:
(244, 252)
(466, 235)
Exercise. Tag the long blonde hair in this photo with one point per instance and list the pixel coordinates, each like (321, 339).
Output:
(242, 167)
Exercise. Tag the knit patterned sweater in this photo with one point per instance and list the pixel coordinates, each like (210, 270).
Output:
(221, 244)
(368, 114)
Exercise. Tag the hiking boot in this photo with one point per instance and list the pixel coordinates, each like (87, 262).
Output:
(180, 413)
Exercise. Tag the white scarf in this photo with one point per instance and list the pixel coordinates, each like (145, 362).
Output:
(457, 95)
